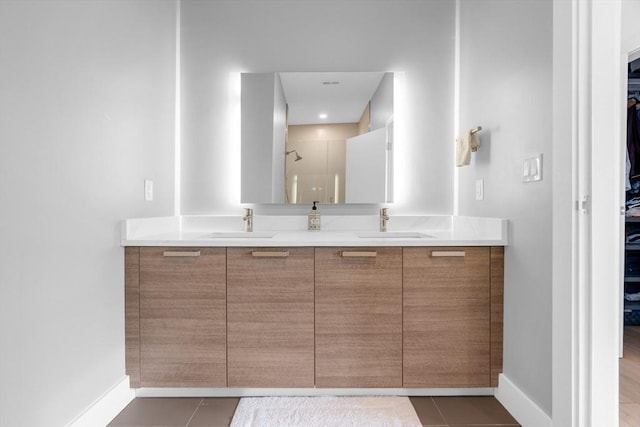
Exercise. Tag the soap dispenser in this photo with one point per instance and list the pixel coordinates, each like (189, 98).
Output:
(314, 218)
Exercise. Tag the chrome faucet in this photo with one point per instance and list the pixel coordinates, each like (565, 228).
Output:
(384, 217)
(248, 220)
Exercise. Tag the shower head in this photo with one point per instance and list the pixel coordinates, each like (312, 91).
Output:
(298, 156)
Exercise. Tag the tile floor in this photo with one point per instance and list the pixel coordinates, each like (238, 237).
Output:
(458, 411)
(630, 378)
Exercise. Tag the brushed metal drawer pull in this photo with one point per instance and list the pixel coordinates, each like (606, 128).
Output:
(359, 254)
(270, 254)
(181, 253)
(447, 253)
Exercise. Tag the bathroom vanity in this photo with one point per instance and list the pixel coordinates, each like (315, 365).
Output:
(346, 307)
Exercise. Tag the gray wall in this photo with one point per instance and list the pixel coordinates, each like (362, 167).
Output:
(630, 14)
(505, 86)
(221, 37)
(86, 114)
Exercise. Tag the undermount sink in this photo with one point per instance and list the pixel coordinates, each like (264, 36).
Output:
(239, 234)
(392, 235)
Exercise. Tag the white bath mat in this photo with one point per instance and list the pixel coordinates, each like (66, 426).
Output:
(325, 411)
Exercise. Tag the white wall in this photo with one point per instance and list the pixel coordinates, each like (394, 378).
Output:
(221, 37)
(505, 86)
(86, 113)
(630, 27)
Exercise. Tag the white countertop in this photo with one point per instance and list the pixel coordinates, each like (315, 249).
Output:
(337, 230)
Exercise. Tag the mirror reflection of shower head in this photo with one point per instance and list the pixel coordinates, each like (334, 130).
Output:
(298, 156)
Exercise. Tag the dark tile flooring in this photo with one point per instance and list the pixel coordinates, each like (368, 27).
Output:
(446, 411)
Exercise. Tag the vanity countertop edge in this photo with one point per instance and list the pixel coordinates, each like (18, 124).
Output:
(337, 230)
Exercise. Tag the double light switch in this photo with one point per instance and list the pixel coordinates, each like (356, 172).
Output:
(532, 169)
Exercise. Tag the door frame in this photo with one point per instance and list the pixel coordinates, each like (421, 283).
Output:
(586, 220)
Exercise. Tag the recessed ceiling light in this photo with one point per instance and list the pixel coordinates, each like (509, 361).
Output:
(322, 115)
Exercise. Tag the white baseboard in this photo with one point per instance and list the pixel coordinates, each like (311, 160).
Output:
(106, 407)
(110, 404)
(523, 409)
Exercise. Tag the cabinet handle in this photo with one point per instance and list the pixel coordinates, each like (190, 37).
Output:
(447, 253)
(270, 254)
(181, 253)
(358, 254)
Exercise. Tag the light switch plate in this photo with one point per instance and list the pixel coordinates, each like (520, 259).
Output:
(148, 190)
(532, 169)
(479, 189)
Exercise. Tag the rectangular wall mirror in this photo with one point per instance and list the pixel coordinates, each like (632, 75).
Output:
(325, 136)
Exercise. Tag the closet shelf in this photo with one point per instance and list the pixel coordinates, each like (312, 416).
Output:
(631, 306)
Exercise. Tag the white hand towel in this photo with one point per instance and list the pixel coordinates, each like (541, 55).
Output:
(466, 143)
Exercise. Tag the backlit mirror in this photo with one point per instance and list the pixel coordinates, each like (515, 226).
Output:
(324, 136)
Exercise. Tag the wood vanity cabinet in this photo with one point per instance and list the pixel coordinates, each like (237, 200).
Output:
(270, 327)
(384, 317)
(181, 317)
(358, 307)
(452, 324)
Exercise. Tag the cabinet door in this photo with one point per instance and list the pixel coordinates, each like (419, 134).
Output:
(182, 317)
(359, 317)
(446, 323)
(270, 317)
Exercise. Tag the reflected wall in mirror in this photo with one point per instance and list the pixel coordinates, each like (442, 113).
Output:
(317, 136)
